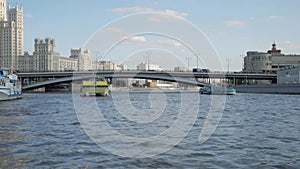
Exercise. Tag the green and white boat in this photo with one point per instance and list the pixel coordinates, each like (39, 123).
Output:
(221, 90)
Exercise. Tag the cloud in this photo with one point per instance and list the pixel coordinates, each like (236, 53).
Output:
(185, 53)
(138, 39)
(28, 15)
(144, 9)
(113, 30)
(291, 46)
(273, 17)
(154, 19)
(132, 9)
(235, 23)
(172, 12)
(170, 42)
(142, 41)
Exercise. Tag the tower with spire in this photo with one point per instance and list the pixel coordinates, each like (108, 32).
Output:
(11, 35)
(274, 50)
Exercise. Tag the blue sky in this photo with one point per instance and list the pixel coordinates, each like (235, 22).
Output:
(232, 26)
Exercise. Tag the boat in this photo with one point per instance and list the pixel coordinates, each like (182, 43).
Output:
(10, 86)
(95, 87)
(230, 90)
(63, 87)
(209, 89)
(205, 90)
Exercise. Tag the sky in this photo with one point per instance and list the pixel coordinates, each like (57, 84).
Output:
(232, 27)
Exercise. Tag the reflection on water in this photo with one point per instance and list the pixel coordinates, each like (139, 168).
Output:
(256, 131)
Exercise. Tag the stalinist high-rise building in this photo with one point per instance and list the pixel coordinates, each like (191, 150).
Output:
(11, 35)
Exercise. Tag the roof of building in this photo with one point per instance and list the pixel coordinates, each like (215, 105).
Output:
(274, 50)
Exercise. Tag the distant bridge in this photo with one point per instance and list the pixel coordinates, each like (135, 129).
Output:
(43, 79)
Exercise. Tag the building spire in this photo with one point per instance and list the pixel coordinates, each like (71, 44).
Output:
(274, 46)
(274, 50)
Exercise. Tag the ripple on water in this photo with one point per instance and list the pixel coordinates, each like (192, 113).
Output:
(256, 131)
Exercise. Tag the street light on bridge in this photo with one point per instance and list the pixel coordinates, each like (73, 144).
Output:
(197, 57)
(148, 53)
(188, 61)
(228, 61)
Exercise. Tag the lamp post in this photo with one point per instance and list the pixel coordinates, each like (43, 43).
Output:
(97, 61)
(188, 61)
(228, 61)
(197, 57)
(148, 53)
(242, 56)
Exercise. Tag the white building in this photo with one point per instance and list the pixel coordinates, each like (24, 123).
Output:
(26, 62)
(180, 69)
(257, 62)
(151, 67)
(123, 67)
(45, 56)
(83, 57)
(68, 64)
(11, 35)
(108, 66)
(268, 62)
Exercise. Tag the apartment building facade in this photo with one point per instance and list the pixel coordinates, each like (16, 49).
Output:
(11, 35)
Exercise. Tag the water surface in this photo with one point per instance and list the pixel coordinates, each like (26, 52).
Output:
(256, 131)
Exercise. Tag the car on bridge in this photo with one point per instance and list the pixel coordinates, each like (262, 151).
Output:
(201, 70)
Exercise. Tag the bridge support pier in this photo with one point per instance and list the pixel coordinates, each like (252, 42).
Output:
(110, 80)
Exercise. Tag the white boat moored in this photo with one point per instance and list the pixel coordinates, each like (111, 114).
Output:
(10, 86)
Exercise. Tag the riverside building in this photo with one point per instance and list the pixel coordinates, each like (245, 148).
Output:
(83, 58)
(108, 66)
(268, 62)
(45, 56)
(149, 67)
(26, 62)
(46, 59)
(11, 35)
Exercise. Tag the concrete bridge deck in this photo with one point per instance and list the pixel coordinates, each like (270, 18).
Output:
(51, 78)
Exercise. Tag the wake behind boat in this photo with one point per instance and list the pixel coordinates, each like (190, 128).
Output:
(10, 86)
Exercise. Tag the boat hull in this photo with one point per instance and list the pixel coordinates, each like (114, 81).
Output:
(10, 86)
(5, 97)
(95, 88)
(218, 90)
(95, 92)
(10, 93)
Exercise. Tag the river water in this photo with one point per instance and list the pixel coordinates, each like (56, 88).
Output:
(42, 130)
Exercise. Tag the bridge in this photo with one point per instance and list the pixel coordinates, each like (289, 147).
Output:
(43, 79)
